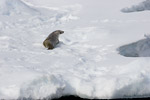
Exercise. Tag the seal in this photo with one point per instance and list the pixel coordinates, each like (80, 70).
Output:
(52, 40)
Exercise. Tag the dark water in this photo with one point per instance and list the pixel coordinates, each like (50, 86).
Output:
(78, 98)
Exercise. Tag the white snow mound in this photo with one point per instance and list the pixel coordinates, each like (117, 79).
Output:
(140, 48)
(12, 7)
(17, 13)
(145, 5)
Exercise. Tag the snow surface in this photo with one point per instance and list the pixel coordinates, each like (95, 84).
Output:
(140, 48)
(145, 5)
(86, 63)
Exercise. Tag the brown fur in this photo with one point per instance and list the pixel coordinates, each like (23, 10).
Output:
(52, 40)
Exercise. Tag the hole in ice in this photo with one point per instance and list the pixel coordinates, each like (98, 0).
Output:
(70, 97)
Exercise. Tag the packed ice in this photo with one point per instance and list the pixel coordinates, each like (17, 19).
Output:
(103, 53)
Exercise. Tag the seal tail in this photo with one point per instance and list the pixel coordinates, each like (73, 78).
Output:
(48, 45)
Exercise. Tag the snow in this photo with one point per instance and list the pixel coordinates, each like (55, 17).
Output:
(86, 62)
(145, 5)
(140, 48)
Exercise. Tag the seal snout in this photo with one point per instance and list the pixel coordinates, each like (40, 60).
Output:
(61, 32)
